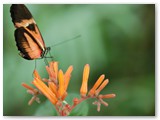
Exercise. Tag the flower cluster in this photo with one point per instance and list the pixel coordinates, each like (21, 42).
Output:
(95, 90)
(55, 88)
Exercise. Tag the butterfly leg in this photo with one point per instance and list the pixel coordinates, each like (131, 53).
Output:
(46, 61)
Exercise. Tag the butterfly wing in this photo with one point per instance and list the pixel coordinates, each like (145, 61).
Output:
(28, 37)
(27, 45)
(19, 13)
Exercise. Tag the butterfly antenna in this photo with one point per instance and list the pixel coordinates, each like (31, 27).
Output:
(51, 55)
(64, 41)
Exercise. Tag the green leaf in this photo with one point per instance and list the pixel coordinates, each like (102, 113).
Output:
(46, 109)
(81, 109)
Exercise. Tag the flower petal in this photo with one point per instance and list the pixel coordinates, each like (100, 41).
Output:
(27, 86)
(53, 87)
(84, 86)
(96, 85)
(67, 77)
(101, 86)
(61, 84)
(55, 67)
(45, 90)
(36, 75)
(107, 96)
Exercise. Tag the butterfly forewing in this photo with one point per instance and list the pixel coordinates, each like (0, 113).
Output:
(20, 15)
(28, 37)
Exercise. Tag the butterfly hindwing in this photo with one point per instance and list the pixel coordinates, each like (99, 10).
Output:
(27, 45)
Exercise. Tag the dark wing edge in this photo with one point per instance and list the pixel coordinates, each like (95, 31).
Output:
(19, 12)
(20, 41)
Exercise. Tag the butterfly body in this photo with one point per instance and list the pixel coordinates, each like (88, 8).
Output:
(28, 38)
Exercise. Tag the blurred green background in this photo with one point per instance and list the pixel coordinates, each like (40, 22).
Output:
(116, 40)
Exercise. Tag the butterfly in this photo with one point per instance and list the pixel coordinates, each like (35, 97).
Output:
(28, 38)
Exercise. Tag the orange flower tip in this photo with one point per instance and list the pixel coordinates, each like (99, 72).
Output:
(98, 107)
(55, 62)
(107, 80)
(87, 65)
(86, 68)
(69, 71)
(103, 102)
(61, 75)
(71, 67)
(85, 74)
(75, 101)
(27, 86)
(114, 95)
(107, 96)
(35, 73)
(103, 75)
(55, 66)
(60, 71)
(24, 85)
(99, 81)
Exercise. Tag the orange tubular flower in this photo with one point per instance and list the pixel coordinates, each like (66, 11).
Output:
(33, 92)
(84, 86)
(44, 88)
(57, 83)
(101, 86)
(28, 87)
(61, 84)
(96, 85)
(67, 77)
(55, 88)
(52, 70)
(55, 68)
(107, 96)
